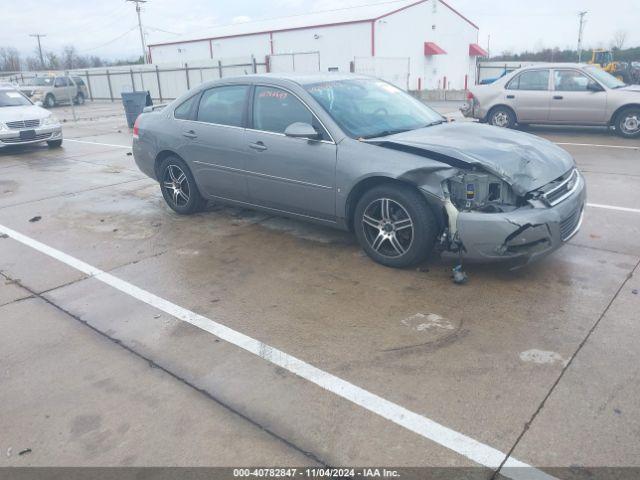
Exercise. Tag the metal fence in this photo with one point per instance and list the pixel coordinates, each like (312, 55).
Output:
(164, 82)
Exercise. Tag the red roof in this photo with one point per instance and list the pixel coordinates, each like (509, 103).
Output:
(431, 48)
(476, 50)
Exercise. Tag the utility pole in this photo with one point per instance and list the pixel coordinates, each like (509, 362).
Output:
(142, 42)
(580, 32)
(38, 36)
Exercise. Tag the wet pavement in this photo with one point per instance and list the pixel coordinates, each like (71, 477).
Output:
(541, 362)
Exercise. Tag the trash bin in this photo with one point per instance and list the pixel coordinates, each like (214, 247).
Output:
(134, 103)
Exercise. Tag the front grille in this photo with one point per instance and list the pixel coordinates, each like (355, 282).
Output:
(561, 188)
(16, 140)
(570, 225)
(19, 124)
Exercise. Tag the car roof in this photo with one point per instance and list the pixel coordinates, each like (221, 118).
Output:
(556, 65)
(299, 78)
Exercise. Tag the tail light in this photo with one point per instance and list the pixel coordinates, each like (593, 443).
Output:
(469, 96)
(136, 127)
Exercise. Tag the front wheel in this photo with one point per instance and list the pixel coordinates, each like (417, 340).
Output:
(395, 226)
(627, 123)
(50, 101)
(179, 187)
(502, 117)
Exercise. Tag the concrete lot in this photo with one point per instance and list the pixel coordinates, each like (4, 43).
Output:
(540, 363)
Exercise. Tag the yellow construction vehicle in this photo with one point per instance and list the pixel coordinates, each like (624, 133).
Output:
(604, 59)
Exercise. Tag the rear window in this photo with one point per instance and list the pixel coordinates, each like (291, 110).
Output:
(535, 80)
(223, 105)
(185, 109)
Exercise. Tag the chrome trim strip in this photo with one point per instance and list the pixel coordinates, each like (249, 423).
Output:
(257, 174)
(208, 123)
(575, 230)
(569, 193)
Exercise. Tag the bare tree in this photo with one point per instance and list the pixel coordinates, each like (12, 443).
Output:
(9, 59)
(619, 39)
(51, 60)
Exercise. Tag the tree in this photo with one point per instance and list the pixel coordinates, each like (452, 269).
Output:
(9, 59)
(619, 39)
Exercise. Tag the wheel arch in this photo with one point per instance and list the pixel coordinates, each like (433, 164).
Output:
(366, 184)
(160, 158)
(621, 109)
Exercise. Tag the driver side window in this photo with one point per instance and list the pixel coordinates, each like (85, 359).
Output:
(570, 81)
(275, 109)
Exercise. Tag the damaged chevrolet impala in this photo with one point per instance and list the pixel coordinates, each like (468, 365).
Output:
(359, 154)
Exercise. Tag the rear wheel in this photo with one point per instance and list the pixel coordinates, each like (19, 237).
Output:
(49, 101)
(627, 123)
(395, 226)
(179, 187)
(502, 117)
(79, 100)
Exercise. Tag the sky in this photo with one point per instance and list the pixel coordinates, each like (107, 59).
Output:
(108, 28)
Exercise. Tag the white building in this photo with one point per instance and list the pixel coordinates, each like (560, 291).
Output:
(417, 44)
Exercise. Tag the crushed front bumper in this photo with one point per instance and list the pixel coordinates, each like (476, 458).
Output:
(522, 235)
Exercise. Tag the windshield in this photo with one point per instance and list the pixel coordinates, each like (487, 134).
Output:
(367, 108)
(40, 81)
(605, 78)
(11, 98)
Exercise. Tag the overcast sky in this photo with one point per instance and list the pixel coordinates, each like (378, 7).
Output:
(108, 27)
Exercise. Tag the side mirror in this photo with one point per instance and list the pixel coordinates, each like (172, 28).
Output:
(594, 87)
(38, 103)
(302, 130)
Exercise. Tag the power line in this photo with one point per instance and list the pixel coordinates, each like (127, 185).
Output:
(38, 36)
(142, 42)
(580, 32)
(110, 41)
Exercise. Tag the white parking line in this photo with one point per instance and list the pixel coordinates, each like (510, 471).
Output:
(423, 426)
(97, 143)
(624, 147)
(612, 207)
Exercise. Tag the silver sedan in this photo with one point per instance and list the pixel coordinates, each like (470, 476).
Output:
(357, 153)
(558, 94)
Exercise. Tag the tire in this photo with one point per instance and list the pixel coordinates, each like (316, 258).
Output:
(49, 101)
(79, 100)
(627, 123)
(402, 237)
(55, 143)
(185, 199)
(502, 117)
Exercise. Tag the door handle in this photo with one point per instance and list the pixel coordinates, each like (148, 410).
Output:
(190, 134)
(259, 146)
(511, 97)
(558, 97)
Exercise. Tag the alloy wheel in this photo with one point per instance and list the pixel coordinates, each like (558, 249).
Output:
(631, 124)
(501, 119)
(176, 183)
(388, 227)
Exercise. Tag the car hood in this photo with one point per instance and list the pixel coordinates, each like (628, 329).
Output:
(23, 112)
(629, 88)
(524, 161)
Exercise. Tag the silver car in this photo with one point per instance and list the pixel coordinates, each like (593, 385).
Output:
(359, 154)
(22, 122)
(559, 94)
